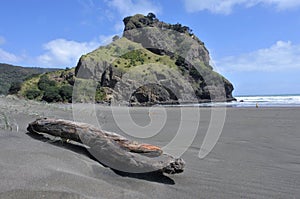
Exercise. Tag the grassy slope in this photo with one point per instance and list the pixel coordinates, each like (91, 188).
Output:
(10, 74)
(125, 54)
(32, 82)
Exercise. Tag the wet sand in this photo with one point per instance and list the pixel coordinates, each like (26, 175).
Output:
(256, 156)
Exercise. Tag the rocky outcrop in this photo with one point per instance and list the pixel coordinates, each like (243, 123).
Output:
(163, 38)
(155, 63)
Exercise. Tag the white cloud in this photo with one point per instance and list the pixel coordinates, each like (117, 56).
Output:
(106, 39)
(6, 57)
(284, 4)
(119, 26)
(65, 53)
(57, 53)
(131, 7)
(226, 6)
(282, 56)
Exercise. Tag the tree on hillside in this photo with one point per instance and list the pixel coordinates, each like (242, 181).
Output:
(44, 83)
(66, 92)
(151, 16)
(15, 88)
(32, 94)
(52, 95)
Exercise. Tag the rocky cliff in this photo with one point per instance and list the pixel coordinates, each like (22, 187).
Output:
(154, 63)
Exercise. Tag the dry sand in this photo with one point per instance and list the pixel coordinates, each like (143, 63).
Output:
(257, 156)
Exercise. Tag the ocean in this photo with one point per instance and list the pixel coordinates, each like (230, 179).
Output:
(267, 101)
(256, 101)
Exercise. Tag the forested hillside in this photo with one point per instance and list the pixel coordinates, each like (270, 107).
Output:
(14, 75)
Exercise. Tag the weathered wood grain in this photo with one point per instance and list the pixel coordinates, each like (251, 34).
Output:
(111, 149)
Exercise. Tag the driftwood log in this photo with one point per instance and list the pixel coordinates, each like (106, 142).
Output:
(111, 149)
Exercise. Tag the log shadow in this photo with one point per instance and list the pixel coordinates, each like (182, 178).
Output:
(155, 176)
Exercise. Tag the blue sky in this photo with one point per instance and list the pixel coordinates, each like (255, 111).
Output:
(254, 43)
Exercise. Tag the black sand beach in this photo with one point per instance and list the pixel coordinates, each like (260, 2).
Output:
(256, 156)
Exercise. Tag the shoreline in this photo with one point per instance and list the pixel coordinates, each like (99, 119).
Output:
(231, 104)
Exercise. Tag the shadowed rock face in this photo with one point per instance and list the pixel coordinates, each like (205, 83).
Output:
(153, 94)
(166, 60)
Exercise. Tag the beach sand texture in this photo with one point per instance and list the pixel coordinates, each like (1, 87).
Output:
(257, 156)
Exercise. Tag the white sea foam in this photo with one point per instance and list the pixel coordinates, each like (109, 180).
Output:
(253, 101)
(268, 101)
